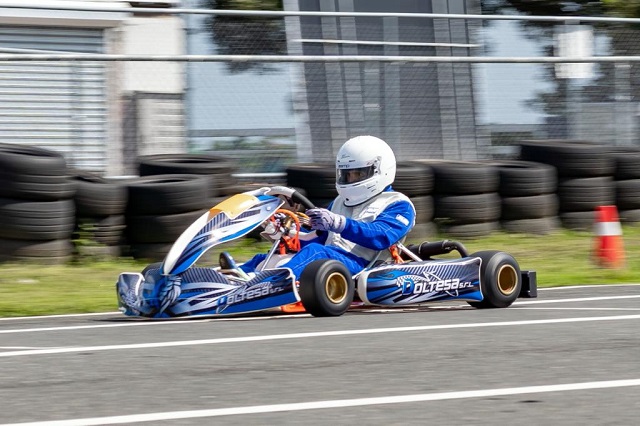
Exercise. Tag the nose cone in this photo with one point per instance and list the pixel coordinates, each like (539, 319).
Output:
(127, 288)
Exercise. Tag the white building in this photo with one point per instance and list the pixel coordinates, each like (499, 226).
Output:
(99, 114)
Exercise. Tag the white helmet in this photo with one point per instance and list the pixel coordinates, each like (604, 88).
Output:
(365, 166)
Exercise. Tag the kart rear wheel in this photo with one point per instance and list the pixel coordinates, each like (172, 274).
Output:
(500, 279)
(326, 288)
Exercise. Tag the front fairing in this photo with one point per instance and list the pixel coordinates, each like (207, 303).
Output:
(203, 291)
(233, 218)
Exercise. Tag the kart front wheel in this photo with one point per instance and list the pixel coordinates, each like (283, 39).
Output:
(500, 279)
(326, 288)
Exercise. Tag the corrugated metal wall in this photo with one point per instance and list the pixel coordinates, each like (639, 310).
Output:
(56, 105)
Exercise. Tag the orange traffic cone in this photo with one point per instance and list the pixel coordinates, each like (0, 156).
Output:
(609, 250)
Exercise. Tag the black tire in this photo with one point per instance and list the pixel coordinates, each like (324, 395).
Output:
(326, 288)
(31, 160)
(107, 230)
(627, 163)
(540, 226)
(317, 179)
(96, 196)
(470, 230)
(578, 221)
(168, 194)
(54, 252)
(500, 279)
(467, 209)
(461, 178)
(628, 194)
(32, 173)
(413, 179)
(161, 228)
(572, 159)
(582, 194)
(422, 232)
(525, 178)
(36, 220)
(424, 208)
(197, 164)
(530, 207)
(219, 169)
(36, 187)
(630, 216)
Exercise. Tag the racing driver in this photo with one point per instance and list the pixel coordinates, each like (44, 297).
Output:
(366, 217)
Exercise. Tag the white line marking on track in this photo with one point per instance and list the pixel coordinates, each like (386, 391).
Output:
(21, 347)
(545, 308)
(82, 327)
(580, 299)
(61, 316)
(587, 286)
(148, 322)
(311, 334)
(575, 287)
(190, 320)
(339, 403)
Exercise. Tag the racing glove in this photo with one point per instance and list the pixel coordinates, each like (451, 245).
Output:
(325, 220)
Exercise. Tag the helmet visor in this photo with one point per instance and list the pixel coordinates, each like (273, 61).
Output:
(351, 176)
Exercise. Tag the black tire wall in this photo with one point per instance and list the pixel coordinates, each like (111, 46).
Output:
(466, 200)
(36, 205)
(219, 169)
(585, 177)
(160, 208)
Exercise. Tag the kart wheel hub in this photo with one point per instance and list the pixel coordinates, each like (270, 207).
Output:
(507, 280)
(336, 288)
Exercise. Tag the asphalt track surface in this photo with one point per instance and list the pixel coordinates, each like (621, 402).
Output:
(572, 356)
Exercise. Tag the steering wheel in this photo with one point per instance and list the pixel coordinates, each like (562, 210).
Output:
(285, 217)
(291, 196)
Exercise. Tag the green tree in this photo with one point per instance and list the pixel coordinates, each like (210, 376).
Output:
(623, 8)
(544, 7)
(623, 40)
(246, 35)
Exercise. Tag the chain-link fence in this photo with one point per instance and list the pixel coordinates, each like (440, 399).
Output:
(432, 85)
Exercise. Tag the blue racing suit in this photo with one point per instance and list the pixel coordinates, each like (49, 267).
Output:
(387, 228)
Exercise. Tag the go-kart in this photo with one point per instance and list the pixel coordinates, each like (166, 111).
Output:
(402, 275)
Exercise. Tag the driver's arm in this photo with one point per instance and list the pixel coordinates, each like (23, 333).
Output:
(312, 237)
(388, 228)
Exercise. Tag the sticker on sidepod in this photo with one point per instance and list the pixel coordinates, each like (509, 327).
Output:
(419, 282)
(268, 289)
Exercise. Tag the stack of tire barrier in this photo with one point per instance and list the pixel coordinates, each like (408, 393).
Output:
(466, 198)
(318, 180)
(219, 169)
(100, 207)
(414, 179)
(529, 203)
(627, 183)
(160, 208)
(36, 205)
(585, 177)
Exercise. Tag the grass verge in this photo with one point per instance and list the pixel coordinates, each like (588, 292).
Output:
(562, 258)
